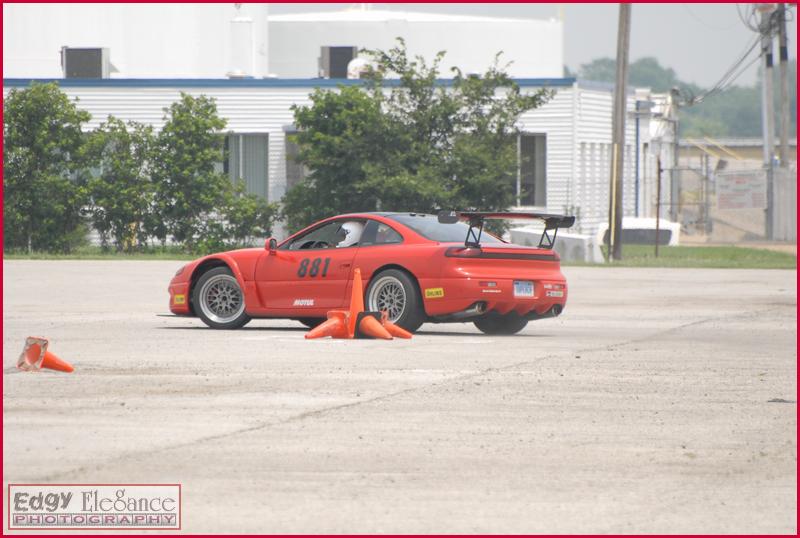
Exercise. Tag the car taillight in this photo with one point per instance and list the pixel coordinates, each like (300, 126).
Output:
(463, 252)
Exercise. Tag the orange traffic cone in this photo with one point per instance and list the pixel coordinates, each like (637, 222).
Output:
(355, 322)
(335, 326)
(370, 326)
(356, 302)
(394, 330)
(35, 356)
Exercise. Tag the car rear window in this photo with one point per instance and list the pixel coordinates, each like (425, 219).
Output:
(428, 226)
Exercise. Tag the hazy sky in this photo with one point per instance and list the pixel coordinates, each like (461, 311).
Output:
(699, 41)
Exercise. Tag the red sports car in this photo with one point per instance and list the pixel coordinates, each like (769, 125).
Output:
(418, 267)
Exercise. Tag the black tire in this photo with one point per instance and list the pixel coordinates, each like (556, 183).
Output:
(493, 323)
(219, 301)
(310, 322)
(411, 314)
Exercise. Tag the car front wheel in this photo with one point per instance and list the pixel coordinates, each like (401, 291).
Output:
(493, 323)
(219, 300)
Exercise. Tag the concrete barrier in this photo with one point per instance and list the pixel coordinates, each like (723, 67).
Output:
(571, 247)
(641, 231)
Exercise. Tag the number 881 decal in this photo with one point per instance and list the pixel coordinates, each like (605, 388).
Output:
(309, 267)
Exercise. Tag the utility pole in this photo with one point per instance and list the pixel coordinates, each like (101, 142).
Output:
(618, 134)
(783, 58)
(767, 106)
(658, 202)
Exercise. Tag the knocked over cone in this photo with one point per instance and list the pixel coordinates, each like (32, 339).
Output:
(35, 356)
(355, 322)
(369, 326)
(395, 330)
(335, 326)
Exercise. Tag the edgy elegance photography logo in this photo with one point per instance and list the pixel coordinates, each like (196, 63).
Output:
(94, 506)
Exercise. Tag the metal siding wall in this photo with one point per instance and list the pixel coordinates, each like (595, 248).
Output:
(555, 120)
(594, 135)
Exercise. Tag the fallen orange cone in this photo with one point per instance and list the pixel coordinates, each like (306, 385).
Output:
(355, 322)
(35, 356)
(370, 326)
(335, 326)
(396, 330)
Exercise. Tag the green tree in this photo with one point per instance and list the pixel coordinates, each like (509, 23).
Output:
(341, 132)
(188, 187)
(249, 218)
(121, 191)
(599, 69)
(42, 161)
(405, 141)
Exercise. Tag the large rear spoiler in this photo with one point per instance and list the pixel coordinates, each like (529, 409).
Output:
(476, 219)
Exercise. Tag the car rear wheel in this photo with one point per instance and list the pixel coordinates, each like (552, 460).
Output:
(219, 300)
(396, 292)
(493, 323)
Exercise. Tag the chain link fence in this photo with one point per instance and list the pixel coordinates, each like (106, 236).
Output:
(730, 206)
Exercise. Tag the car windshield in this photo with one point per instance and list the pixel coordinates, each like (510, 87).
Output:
(428, 226)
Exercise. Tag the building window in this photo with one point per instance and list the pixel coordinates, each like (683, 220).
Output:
(247, 161)
(333, 61)
(295, 172)
(531, 169)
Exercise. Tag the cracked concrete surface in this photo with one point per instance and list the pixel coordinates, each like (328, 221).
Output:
(662, 401)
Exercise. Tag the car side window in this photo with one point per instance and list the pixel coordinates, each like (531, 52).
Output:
(386, 235)
(378, 233)
(337, 234)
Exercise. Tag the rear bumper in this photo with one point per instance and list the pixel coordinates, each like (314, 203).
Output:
(446, 296)
(179, 298)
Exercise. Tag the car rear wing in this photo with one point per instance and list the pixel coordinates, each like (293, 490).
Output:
(476, 220)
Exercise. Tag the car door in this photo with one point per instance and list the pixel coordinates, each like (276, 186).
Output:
(310, 272)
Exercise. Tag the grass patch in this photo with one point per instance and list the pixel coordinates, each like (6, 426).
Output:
(632, 256)
(711, 257)
(97, 253)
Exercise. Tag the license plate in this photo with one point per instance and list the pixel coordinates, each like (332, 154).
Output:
(523, 288)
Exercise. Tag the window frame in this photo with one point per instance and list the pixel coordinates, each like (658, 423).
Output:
(518, 194)
(287, 244)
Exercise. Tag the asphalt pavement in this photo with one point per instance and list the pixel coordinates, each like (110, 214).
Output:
(661, 401)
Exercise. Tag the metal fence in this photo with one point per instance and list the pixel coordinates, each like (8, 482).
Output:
(730, 206)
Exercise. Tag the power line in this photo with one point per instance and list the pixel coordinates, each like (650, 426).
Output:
(730, 75)
(752, 26)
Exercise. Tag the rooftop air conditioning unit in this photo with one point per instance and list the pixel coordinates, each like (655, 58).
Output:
(85, 62)
(333, 61)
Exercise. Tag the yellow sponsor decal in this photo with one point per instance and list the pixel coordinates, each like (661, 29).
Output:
(434, 293)
(179, 299)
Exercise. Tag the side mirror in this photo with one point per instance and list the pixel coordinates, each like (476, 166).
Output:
(271, 244)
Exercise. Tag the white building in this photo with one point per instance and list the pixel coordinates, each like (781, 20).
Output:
(212, 40)
(565, 145)
(535, 47)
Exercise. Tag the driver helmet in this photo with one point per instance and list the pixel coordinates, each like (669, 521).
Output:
(352, 234)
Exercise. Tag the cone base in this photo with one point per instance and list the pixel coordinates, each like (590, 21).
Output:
(369, 326)
(35, 356)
